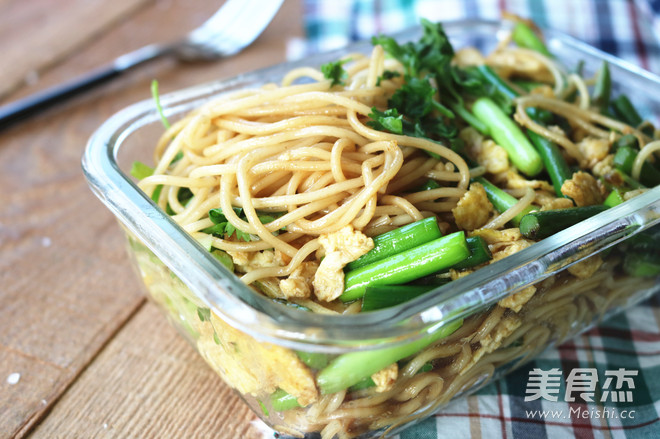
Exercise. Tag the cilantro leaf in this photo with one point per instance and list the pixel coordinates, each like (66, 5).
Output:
(431, 51)
(416, 99)
(406, 54)
(434, 128)
(335, 71)
(222, 228)
(387, 74)
(430, 100)
(388, 120)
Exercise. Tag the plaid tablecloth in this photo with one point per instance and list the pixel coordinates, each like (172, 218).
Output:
(625, 345)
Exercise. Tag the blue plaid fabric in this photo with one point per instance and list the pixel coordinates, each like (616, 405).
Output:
(630, 341)
(629, 29)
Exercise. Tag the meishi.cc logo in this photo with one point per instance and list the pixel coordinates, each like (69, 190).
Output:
(616, 385)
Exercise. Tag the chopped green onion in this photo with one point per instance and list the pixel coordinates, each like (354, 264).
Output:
(624, 160)
(525, 37)
(553, 160)
(399, 240)
(614, 198)
(281, 401)
(501, 200)
(628, 140)
(625, 111)
(385, 296)
(349, 369)
(540, 115)
(496, 81)
(479, 253)
(364, 383)
(224, 259)
(315, 360)
(509, 136)
(642, 264)
(140, 171)
(527, 85)
(628, 180)
(407, 266)
(470, 118)
(603, 87)
(541, 224)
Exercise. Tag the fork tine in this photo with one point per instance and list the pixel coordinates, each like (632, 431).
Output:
(235, 25)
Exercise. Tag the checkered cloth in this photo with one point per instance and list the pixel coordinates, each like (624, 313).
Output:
(630, 341)
(629, 29)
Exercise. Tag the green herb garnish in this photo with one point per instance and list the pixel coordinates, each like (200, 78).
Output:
(204, 314)
(156, 96)
(387, 74)
(140, 171)
(335, 72)
(222, 228)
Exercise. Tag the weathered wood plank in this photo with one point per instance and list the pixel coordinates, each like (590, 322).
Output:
(148, 382)
(66, 286)
(22, 380)
(36, 34)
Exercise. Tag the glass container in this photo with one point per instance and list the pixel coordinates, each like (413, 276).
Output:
(272, 354)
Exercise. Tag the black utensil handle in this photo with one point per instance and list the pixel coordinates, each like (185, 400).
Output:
(37, 102)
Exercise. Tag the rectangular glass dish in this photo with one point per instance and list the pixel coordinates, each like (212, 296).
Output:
(264, 349)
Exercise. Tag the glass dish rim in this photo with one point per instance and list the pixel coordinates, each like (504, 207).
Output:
(266, 320)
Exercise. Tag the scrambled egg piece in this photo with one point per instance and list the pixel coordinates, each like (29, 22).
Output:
(501, 250)
(516, 301)
(456, 274)
(549, 201)
(543, 90)
(493, 340)
(493, 157)
(498, 236)
(584, 189)
(632, 194)
(299, 282)
(593, 149)
(471, 137)
(341, 247)
(486, 152)
(513, 180)
(473, 209)
(248, 261)
(252, 367)
(385, 378)
(503, 243)
(586, 268)
(604, 167)
(468, 56)
(508, 63)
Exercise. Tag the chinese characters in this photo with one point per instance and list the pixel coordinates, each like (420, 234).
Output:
(581, 383)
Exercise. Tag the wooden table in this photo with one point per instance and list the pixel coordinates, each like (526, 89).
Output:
(81, 352)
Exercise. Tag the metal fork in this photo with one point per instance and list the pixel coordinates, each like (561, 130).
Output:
(233, 27)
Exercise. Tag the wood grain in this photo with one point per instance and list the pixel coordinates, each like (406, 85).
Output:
(52, 33)
(148, 382)
(67, 291)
